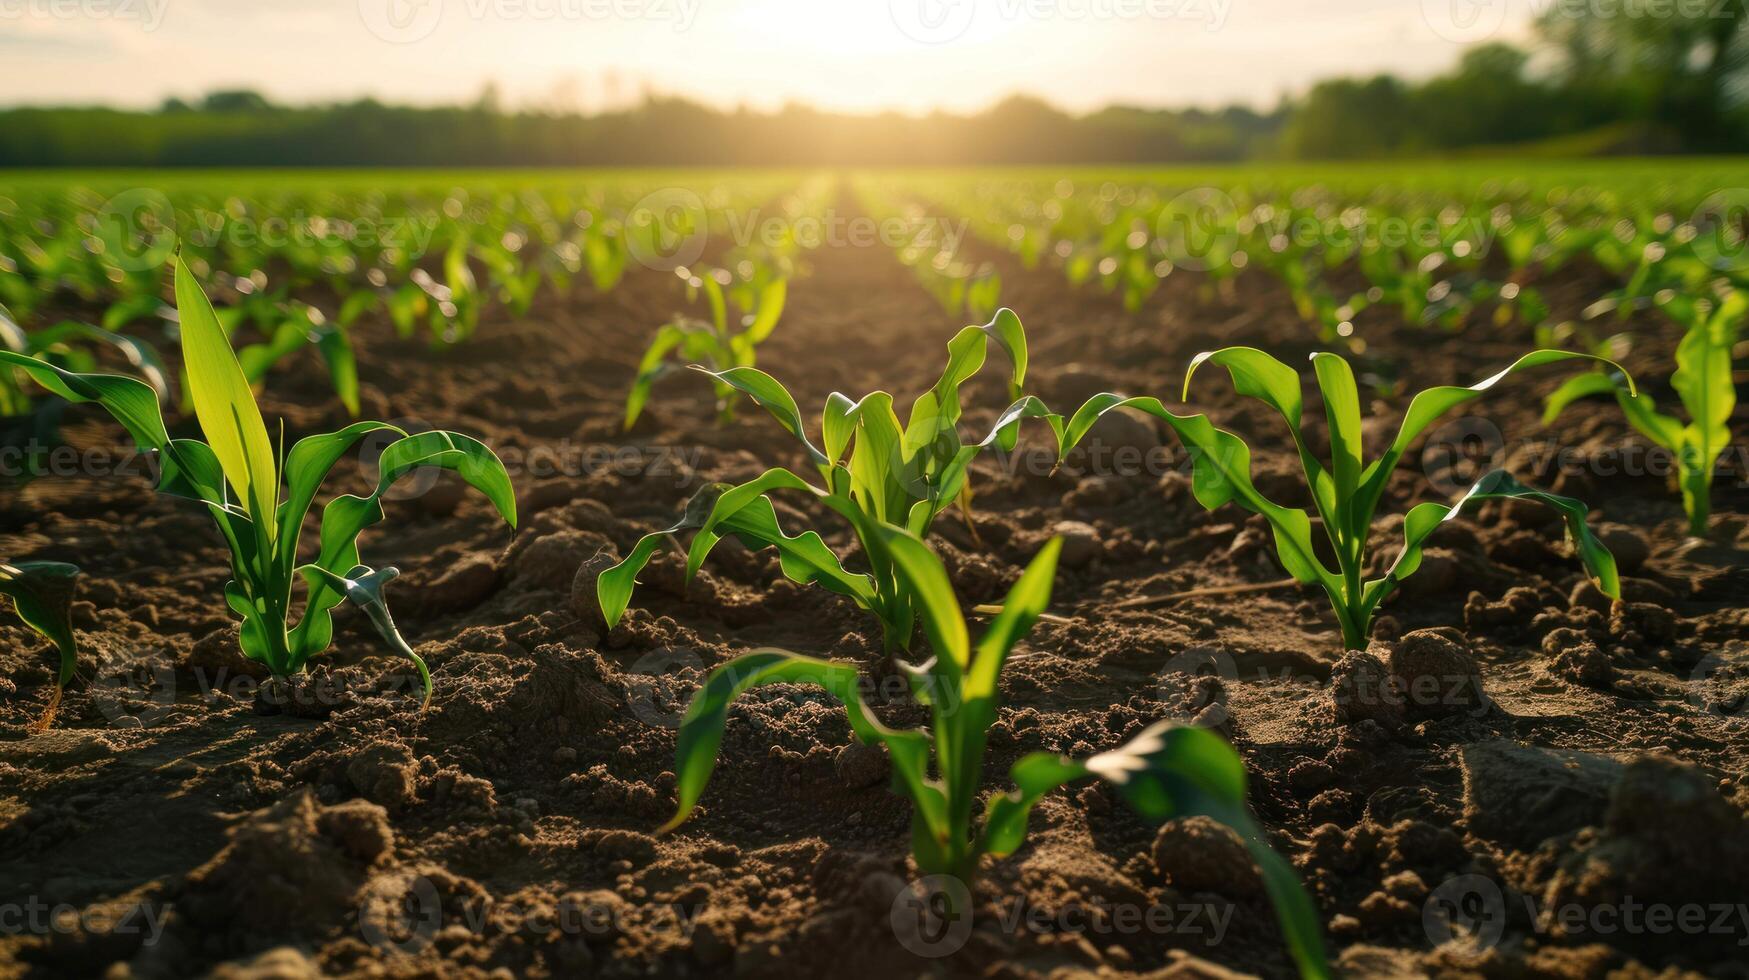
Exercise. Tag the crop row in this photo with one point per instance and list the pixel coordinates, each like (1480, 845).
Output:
(889, 479)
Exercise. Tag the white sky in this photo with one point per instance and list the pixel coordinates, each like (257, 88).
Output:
(836, 54)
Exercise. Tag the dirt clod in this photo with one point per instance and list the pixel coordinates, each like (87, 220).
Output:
(1198, 854)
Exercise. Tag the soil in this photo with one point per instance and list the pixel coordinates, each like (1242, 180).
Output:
(179, 819)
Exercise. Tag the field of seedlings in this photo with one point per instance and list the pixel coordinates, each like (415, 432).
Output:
(1279, 571)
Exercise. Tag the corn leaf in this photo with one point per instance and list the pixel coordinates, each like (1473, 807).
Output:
(308, 465)
(932, 596)
(701, 730)
(347, 516)
(1167, 771)
(1424, 519)
(364, 586)
(1342, 412)
(774, 398)
(224, 404)
(132, 402)
(335, 346)
(1222, 473)
(771, 303)
(1703, 381)
(40, 592)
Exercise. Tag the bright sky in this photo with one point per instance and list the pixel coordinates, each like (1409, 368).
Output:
(910, 55)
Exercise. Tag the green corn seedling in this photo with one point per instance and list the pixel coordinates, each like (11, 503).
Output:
(40, 591)
(301, 325)
(872, 470)
(1347, 493)
(259, 498)
(604, 257)
(711, 344)
(1166, 771)
(1703, 383)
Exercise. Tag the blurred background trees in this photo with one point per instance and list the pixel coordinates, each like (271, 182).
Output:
(1601, 76)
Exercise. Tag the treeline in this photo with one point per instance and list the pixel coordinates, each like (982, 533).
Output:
(1675, 79)
(1644, 76)
(240, 129)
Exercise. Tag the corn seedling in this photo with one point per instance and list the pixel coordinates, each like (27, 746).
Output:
(259, 498)
(714, 344)
(1166, 771)
(40, 592)
(1702, 381)
(872, 470)
(1347, 492)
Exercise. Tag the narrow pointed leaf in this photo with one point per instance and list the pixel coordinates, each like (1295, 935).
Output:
(41, 592)
(1423, 520)
(774, 398)
(933, 593)
(364, 586)
(701, 731)
(771, 303)
(1168, 771)
(223, 402)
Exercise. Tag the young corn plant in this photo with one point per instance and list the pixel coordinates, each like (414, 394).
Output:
(872, 470)
(1703, 383)
(711, 344)
(259, 496)
(40, 591)
(1166, 771)
(301, 325)
(1346, 493)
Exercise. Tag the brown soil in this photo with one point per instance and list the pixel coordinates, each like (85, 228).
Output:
(182, 825)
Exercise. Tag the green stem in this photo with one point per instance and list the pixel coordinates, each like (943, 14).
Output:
(1699, 510)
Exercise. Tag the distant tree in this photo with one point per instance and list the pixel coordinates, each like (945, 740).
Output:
(235, 100)
(1684, 66)
(1347, 118)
